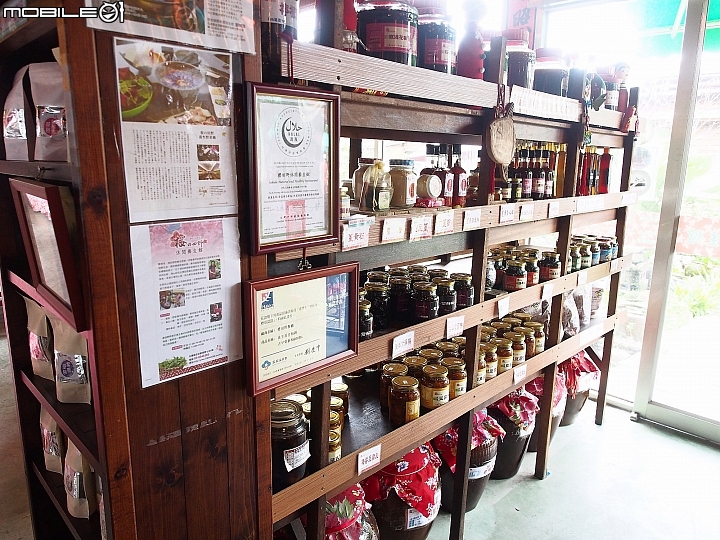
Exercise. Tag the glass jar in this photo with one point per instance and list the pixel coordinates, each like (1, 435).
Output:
(401, 302)
(361, 294)
(518, 347)
(464, 289)
(307, 409)
(448, 349)
(426, 301)
(433, 356)
(344, 203)
(585, 256)
(575, 258)
(460, 341)
(500, 328)
(481, 369)
(429, 186)
(417, 277)
(389, 372)
(378, 295)
(417, 269)
(488, 330)
(378, 277)
(551, 73)
(500, 266)
(612, 92)
(531, 252)
(377, 188)
(365, 320)
(512, 321)
(550, 267)
(404, 401)
(595, 253)
(457, 376)
(342, 391)
(337, 405)
(491, 361)
(398, 272)
(289, 445)
(524, 317)
(521, 67)
(529, 334)
(334, 448)
(363, 164)
(532, 270)
(297, 398)
(447, 296)
(539, 329)
(504, 354)
(516, 186)
(335, 423)
(605, 251)
(388, 29)
(615, 247)
(404, 183)
(415, 365)
(515, 276)
(436, 41)
(437, 273)
(434, 388)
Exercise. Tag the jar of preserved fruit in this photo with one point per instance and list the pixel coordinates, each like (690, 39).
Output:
(491, 361)
(378, 294)
(605, 251)
(363, 164)
(334, 448)
(335, 424)
(489, 330)
(389, 372)
(426, 301)
(401, 302)
(404, 401)
(575, 258)
(448, 349)
(460, 341)
(342, 391)
(437, 273)
(464, 289)
(531, 252)
(404, 182)
(550, 267)
(365, 320)
(515, 276)
(388, 30)
(376, 276)
(585, 256)
(433, 356)
(500, 328)
(500, 266)
(398, 272)
(512, 321)
(595, 252)
(532, 270)
(436, 41)
(539, 329)
(297, 398)
(377, 188)
(481, 370)
(524, 317)
(447, 296)
(457, 376)
(289, 444)
(417, 269)
(361, 294)
(415, 365)
(504, 354)
(417, 277)
(518, 347)
(529, 334)
(434, 388)
(338, 405)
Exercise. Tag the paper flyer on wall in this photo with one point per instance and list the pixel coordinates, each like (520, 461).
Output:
(177, 137)
(219, 24)
(187, 295)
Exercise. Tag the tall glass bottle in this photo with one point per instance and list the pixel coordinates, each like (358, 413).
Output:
(272, 24)
(560, 171)
(604, 181)
(459, 196)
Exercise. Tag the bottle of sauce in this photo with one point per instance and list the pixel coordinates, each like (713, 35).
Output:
(604, 182)
(272, 24)
(560, 170)
(471, 56)
(460, 180)
(446, 155)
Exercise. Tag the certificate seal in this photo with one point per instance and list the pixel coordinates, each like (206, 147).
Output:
(293, 132)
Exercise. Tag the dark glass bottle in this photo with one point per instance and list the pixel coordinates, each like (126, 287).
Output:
(388, 29)
(290, 449)
(272, 24)
(436, 41)
(427, 303)
(378, 294)
(604, 182)
(447, 296)
(465, 290)
(365, 320)
(401, 303)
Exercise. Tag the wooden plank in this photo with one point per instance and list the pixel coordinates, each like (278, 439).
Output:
(263, 447)
(544, 421)
(49, 170)
(319, 448)
(605, 118)
(534, 129)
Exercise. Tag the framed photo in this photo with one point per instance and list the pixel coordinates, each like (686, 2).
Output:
(49, 230)
(294, 177)
(300, 323)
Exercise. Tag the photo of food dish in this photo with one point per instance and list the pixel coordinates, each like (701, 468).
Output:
(216, 312)
(208, 152)
(185, 15)
(209, 170)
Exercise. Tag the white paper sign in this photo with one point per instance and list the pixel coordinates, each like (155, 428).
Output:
(475, 473)
(629, 197)
(444, 222)
(355, 237)
(455, 326)
(547, 291)
(393, 230)
(421, 228)
(526, 211)
(614, 265)
(403, 343)
(367, 459)
(582, 278)
(503, 306)
(296, 456)
(554, 209)
(590, 204)
(414, 519)
(472, 219)
(519, 373)
(507, 212)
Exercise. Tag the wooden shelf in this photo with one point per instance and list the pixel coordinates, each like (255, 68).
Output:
(54, 170)
(77, 420)
(27, 33)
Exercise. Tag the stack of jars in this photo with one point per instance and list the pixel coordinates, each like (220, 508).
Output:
(588, 250)
(518, 268)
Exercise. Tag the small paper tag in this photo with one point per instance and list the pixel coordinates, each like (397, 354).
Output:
(590, 204)
(614, 265)
(507, 212)
(455, 326)
(472, 219)
(355, 237)
(475, 473)
(393, 230)
(403, 343)
(414, 519)
(503, 306)
(554, 209)
(628, 198)
(444, 222)
(519, 373)
(297, 456)
(582, 278)
(421, 228)
(367, 459)
(526, 211)
(547, 291)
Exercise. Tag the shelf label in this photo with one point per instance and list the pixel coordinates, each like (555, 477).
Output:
(355, 235)
(519, 373)
(614, 265)
(393, 230)
(475, 473)
(445, 222)
(414, 519)
(367, 459)
(507, 212)
(455, 326)
(421, 228)
(472, 219)
(526, 211)
(547, 291)
(590, 204)
(403, 343)
(582, 278)
(628, 198)
(503, 306)
(554, 209)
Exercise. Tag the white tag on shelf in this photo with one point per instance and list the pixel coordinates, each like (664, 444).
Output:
(503, 306)
(582, 278)
(526, 211)
(614, 265)
(403, 343)
(547, 291)
(472, 219)
(590, 204)
(628, 198)
(475, 473)
(367, 459)
(421, 228)
(393, 229)
(355, 237)
(507, 212)
(455, 326)
(519, 373)
(554, 209)
(444, 222)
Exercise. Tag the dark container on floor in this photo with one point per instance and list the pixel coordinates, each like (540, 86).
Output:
(574, 406)
(511, 449)
(391, 517)
(480, 458)
(556, 419)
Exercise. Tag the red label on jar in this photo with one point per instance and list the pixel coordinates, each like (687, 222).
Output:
(533, 278)
(544, 273)
(439, 51)
(464, 299)
(389, 37)
(462, 186)
(448, 185)
(515, 283)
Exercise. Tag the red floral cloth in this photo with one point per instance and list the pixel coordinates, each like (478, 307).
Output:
(535, 387)
(484, 428)
(573, 368)
(414, 477)
(519, 406)
(342, 514)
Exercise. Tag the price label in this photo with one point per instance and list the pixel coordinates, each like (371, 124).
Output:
(444, 222)
(455, 326)
(472, 219)
(355, 236)
(582, 278)
(393, 230)
(589, 204)
(628, 198)
(367, 459)
(507, 212)
(519, 373)
(503, 306)
(614, 265)
(403, 343)
(554, 209)
(547, 291)
(526, 211)
(421, 228)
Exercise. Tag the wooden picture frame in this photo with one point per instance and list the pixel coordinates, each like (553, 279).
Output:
(48, 224)
(286, 308)
(294, 138)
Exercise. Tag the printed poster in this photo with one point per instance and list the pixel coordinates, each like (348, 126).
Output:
(187, 295)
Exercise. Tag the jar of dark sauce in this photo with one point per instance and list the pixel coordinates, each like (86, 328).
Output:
(436, 41)
(388, 29)
(289, 443)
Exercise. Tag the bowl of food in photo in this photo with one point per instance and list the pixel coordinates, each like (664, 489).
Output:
(185, 79)
(135, 93)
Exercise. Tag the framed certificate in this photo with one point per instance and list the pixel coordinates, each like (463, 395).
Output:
(300, 323)
(294, 138)
(48, 225)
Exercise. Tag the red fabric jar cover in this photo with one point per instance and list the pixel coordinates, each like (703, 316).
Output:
(484, 428)
(535, 387)
(519, 406)
(414, 477)
(342, 514)
(573, 368)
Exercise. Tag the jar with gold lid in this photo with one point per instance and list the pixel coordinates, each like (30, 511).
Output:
(433, 356)
(529, 334)
(378, 276)
(404, 401)
(447, 296)
(361, 294)
(504, 354)
(334, 447)
(342, 391)
(491, 362)
(389, 372)
(434, 388)
(300, 399)
(289, 444)
(518, 347)
(401, 301)
(337, 405)
(595, 253)
(524, 317)
(515, 276)
(512, 321)
(417, 269)
(532, 270)
(539, 329)
(365, 320)
(464, 289)
(460, 342)
(415, 365)
(426, 301)
(398, 272)
(550, 267)
(501, 327)
(335, 423)
(575, 258)
(585, 256)
(490, 330)
(418, 277)
(457, 374)
(448, 349)
(437, 273)
(378, 294)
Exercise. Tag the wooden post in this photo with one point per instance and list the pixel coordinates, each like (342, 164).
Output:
(319, 447)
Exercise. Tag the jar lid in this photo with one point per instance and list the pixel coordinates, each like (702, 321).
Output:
(524, 330)
(378, 274)
(285, 413)
(550, 254)
(521, 315)
(375, 286)
(490, 347)
(459, 276)
(338, 387)
(424, 286)
(306, 407)
(402, 162)
(444, 282)
(415, 361)
(404, 382)
(431, 355)
(395, 369)
(398, 5)
(513, 262)
(366, 160)
(459, 340)
(336, 402)
(418, 276)
(501, 342)
(437, 280)
(417, 268)
(453, 364)
(437, 272)
(515, 336)
(365, 305)
(334, 436)
(447, 346)
(297, 398)
(334, 418)
(398, 272)
(400, 281)
(514, 321)
(485, 329)
(500, 324)
(535, 325)
(435, 371)
(530, 259)
(532, 252)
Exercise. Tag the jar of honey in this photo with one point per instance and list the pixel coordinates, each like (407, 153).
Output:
(491, 361)
(341, 390)
(539, 329)
(457, 376)
(464, 289)
(501, 327)
(334, 448)
(434, 388)
(433, 356)
(389, 372)
(415, 365)
(404, 401)
(504, 354)
(337, 405)
(529, 334)
(518, 347)
(448, 349)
